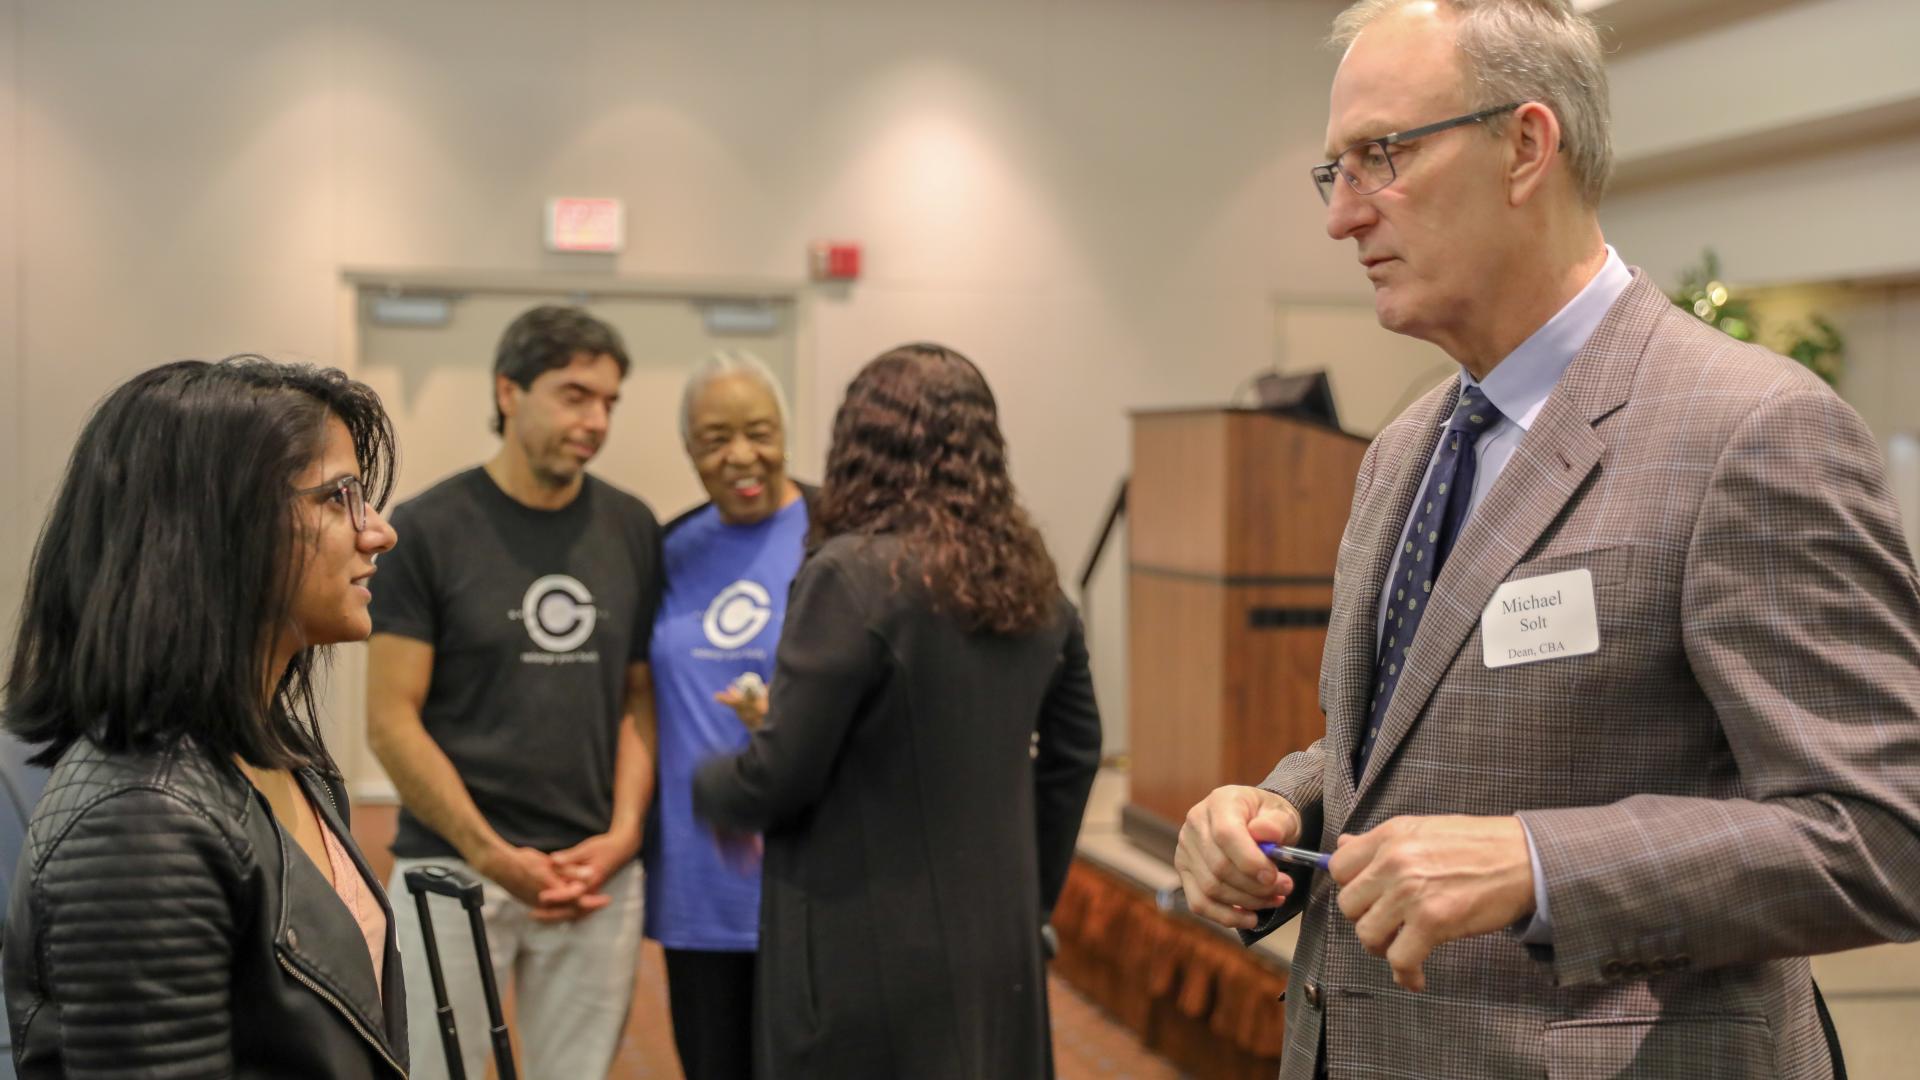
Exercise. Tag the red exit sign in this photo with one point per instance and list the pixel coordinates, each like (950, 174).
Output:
(586, 225)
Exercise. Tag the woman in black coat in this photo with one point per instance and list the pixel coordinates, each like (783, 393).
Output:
(931, 739)
(190, 901)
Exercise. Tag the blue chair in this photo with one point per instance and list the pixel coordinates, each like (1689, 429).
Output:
(20, 787)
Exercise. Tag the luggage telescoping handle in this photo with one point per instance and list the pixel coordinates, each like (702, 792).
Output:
(427, 880)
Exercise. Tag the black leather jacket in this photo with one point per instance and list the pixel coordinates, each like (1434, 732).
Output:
(163, 924)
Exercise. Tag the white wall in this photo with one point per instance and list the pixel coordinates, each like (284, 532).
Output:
(1849, 213)
(1096, 199)
(1788, 139)
(17, 521)
(1777, 66)
(1374, 374)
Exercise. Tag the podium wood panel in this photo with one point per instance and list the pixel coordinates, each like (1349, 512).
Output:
(1176, 667)
(1177, 493)
(1273, 681)
(1234, 522)
(1238, 493)
(1214, 699)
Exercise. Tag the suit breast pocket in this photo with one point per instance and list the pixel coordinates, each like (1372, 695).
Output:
(1635, 610)
(1556, 714)
(1577, 639)
(1610, 566)
(1728, 1047)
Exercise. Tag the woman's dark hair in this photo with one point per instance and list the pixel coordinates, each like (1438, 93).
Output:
(549, 337)
(917, 452)
(167, 566)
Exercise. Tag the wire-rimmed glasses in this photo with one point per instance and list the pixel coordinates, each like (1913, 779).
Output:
(1368, 165)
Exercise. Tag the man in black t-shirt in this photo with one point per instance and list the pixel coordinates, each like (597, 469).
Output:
(507, 672)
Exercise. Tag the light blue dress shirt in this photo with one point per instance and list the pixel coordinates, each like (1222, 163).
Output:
(1518, 386)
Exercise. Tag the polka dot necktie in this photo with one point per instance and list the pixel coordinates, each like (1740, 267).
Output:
(1438, 515)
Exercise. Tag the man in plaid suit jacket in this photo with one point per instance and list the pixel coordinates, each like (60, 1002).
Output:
(1609, 855)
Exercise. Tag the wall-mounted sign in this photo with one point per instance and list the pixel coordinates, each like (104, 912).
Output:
(597, 225)
(739, 317)
(401, 309)
(829, 261)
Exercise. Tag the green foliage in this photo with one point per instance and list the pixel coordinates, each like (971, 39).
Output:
(1820, 349)
(1701, 292)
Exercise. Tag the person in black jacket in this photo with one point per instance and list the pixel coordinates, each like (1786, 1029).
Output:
(190, 901)
(930, 743)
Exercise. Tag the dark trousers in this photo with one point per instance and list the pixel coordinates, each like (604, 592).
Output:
(711, 995)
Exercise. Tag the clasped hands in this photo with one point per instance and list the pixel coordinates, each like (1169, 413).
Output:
(1408, 885)
(564, 885)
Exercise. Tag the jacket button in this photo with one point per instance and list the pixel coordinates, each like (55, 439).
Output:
(1680, 962)
(1313, 993)
(1637, 969)
(1612, 969)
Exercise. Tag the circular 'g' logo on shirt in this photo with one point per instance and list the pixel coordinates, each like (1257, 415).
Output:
(737, 615)
(558, 613)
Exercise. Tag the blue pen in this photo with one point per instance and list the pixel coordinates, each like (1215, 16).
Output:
(1296, 856)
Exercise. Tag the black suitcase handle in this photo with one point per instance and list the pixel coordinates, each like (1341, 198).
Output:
(445, 881)
(424, 881)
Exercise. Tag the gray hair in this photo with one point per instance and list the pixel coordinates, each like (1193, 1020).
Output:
(720, 365)
(1526, 50)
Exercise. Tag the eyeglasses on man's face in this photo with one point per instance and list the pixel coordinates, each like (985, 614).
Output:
(1368, 166)
(346, 492)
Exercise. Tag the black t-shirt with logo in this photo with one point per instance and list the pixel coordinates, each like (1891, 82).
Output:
(534, 616)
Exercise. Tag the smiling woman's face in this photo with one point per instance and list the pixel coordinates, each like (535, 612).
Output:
(332, 589)
(739, 448)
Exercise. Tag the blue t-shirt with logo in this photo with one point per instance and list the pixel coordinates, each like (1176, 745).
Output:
(725, 601)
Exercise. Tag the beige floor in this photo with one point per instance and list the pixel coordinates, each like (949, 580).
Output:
(1874, 993)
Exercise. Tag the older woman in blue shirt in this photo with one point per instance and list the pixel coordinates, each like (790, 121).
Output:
(729, 563)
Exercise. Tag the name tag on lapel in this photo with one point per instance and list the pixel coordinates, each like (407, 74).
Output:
(1541, 618)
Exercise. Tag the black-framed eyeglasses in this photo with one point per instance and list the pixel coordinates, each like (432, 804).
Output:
(348, 492)
(1368, 166)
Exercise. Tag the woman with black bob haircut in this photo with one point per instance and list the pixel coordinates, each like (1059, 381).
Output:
(190, 901)
(930, 741)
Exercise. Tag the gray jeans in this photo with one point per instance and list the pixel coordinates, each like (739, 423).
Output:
(572, 982)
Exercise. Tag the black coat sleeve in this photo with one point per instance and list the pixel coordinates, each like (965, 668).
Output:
(1066, 757)
(135, 918)
(827, 663)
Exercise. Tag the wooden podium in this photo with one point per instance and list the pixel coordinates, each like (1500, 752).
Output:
(1234, 519)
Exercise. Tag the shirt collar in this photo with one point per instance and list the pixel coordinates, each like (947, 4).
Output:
(1518, 386)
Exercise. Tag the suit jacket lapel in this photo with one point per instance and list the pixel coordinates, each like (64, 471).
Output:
(1555, 458)
(1382, 517)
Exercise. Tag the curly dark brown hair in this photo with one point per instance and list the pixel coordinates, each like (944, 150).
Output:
(917, 453)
